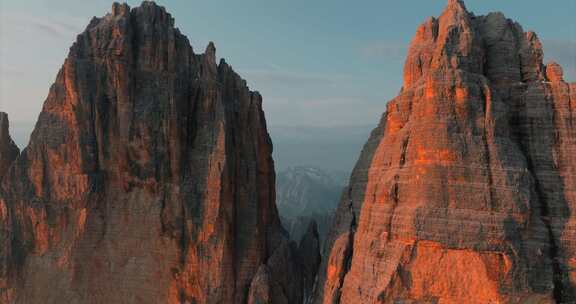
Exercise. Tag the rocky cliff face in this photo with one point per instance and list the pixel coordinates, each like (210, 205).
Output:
(465, 193)
(8, 153)
(148, 178)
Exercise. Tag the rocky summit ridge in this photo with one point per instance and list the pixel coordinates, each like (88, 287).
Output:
(465, 192)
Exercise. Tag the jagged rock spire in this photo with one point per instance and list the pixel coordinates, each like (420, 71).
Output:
(445, 43)
(120, 9)
(8, 149)
(210, 67)
(554, 72)
(454, 13)
(456, 5)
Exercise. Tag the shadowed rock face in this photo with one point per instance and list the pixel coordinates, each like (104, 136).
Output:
(8, 153)
(309, 250)
(465, 193)
(8, 149)
(148, 177)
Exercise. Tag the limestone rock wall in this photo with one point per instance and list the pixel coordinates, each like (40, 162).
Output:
(465, 191)
(148, 177)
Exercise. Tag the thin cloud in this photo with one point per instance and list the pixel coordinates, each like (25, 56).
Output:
(62, 27)
(50, 30)
(287, 77)
(58, 29)
(384, 50)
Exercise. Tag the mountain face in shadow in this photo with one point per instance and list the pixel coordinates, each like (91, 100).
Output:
(464, 193)
(8, 149)
(148, 179)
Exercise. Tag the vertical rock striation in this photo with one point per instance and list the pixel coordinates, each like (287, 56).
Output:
(309, 250)
(465, 192)
(148, 177)
(8, 153)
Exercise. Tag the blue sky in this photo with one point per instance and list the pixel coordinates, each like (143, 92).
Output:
(317, 63)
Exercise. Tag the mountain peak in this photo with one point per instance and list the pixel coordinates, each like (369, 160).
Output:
(447, 42)
(456, 4)
(4, 127)
(151, 6)
(120, 9)
(210, 51)
(455, 13)
(3, 123)
(8, 150)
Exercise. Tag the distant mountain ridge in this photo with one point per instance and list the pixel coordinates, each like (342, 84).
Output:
(306, 190)
(305, 194)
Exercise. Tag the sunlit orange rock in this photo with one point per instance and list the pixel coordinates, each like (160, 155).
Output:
(148, 178)
(554, 72)
(465, 192)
